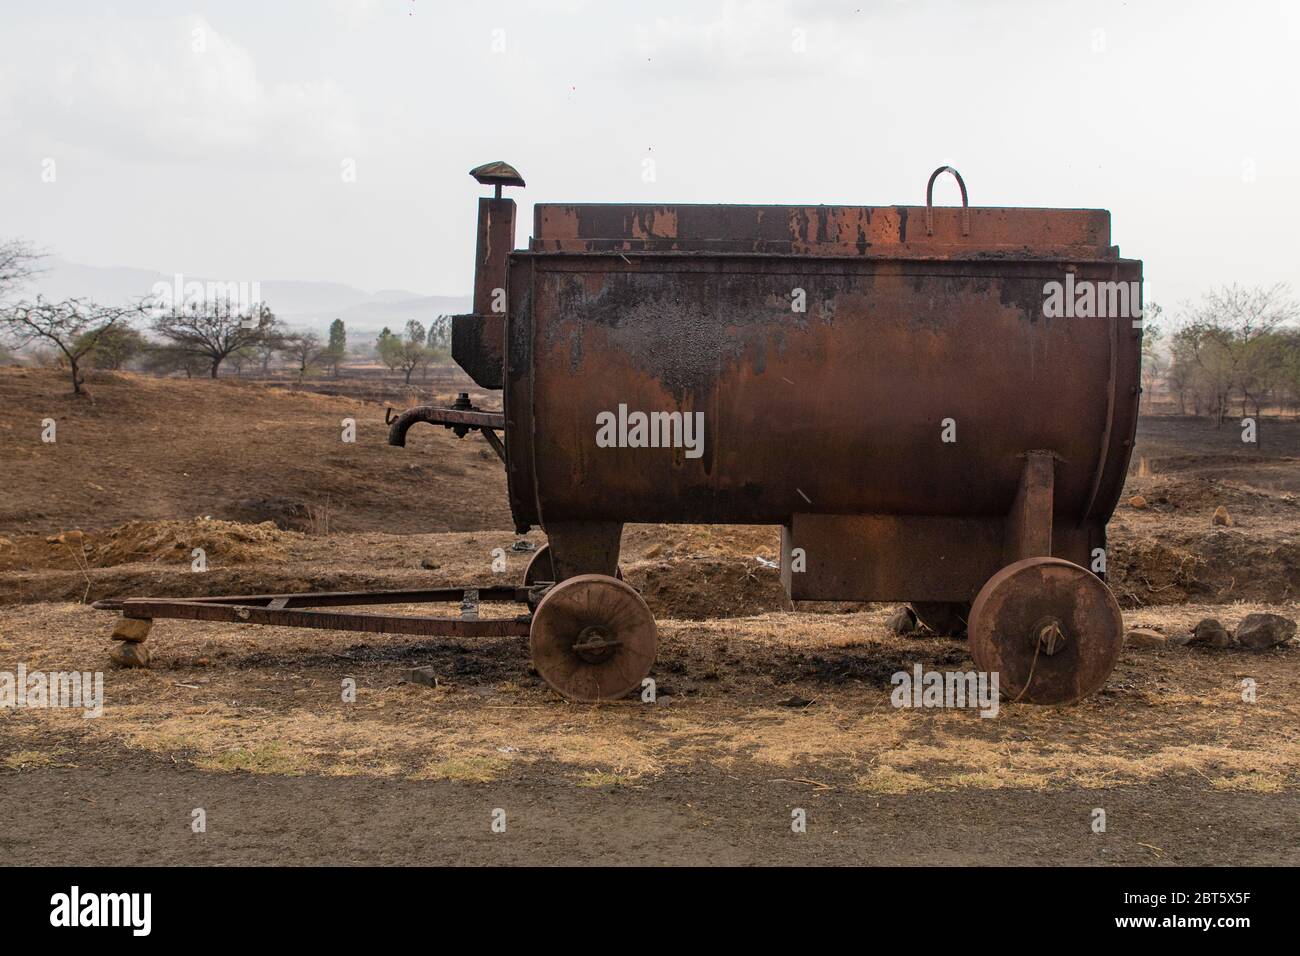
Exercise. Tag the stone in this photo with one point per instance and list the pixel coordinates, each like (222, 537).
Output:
(1137, 501)
(1144, 637)
(1221, 517)
(127, 654)
(794, 700)
(1210, 632)
(902, 621)
(69, 538)
(133, 629)
(421, 675)
(1178, 640)
(1262, 631)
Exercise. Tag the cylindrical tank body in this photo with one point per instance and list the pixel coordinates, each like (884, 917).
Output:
(869, 385)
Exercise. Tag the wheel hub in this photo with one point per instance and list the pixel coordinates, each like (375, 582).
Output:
(594, 644)
(1049, 635)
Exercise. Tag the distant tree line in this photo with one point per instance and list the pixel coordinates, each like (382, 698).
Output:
(1236, 351)
(416, 347)
(194, 338)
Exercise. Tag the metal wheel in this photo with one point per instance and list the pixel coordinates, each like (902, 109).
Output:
(593, 638)
(540, 567)
(1050, 629)
(945, 618)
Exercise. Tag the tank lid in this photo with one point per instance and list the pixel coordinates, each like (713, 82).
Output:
(867, 231)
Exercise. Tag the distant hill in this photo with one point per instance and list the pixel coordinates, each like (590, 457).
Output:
(300, 304)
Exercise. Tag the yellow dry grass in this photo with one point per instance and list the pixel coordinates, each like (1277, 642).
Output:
(467, 769)
(27, 759)
(1174, 712)
(606, 779)
(34, 759)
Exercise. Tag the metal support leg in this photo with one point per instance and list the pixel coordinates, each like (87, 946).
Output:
(1029, 525)
(584, 547)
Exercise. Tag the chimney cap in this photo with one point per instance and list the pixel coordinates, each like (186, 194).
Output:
(497, 174)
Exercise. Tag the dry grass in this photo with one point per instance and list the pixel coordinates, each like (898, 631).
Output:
(605, 779)
(31, 760)
(1251, 783)
(27, 760)
(887, 779)
(467, 769)
(268, 758)
(1170, 712)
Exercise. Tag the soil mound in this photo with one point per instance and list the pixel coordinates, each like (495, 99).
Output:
(151, 542)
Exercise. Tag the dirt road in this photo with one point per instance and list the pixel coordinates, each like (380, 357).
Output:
(139, 812)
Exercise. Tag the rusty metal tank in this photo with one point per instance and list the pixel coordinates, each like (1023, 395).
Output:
(920, 397)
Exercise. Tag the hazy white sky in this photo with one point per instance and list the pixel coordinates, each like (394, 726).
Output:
(210, 138)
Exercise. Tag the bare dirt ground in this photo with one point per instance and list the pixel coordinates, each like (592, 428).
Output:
(152, 449)
(762, 709)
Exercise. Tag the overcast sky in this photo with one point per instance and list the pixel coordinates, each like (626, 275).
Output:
(211, 138)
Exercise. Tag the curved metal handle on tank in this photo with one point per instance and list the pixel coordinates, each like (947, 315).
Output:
(929, 201)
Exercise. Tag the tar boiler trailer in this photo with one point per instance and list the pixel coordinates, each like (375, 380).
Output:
(936, 405)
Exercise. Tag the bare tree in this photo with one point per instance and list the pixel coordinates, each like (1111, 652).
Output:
(1234, 328)
(268, 347)
(1204, 349)
(438, 340)
(240, 359)
(1182, 373)
(305, 350)
(1289, 372)
(214, 329)
(1154, 360)
(73, 326)
(18, 263)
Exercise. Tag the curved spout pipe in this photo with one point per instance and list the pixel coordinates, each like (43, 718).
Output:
(462, 421)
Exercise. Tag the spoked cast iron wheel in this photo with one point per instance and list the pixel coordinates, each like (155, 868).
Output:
(540, 567)
(593, 638)
(1050, 629)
